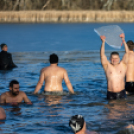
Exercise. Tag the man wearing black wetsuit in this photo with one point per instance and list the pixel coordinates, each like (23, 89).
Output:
(6, 62)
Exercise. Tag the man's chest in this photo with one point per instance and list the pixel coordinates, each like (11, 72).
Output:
(13, 99)
(116, 71)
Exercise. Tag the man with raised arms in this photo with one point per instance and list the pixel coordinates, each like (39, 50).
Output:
(53, 76)
(130, 68)
(115, 71)
(14, 96)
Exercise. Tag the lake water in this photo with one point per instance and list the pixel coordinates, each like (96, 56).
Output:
(77, 46)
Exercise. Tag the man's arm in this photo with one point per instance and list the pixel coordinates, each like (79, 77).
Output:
(2, 114)
(2, 98)
(125, 57)
(104, 60)
(40, 82)
(13, 65)
(122, 36)
(67, 81)
(25, 98)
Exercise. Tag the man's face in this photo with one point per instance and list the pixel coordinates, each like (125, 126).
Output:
(5, 48)
(15, 89)
(115, 59)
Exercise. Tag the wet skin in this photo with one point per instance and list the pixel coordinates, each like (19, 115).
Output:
(14, 96)
(53, 77)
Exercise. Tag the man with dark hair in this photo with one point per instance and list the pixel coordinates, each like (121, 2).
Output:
(14, 95)
(78, 125)
(6, 62)
(115, 71)
(53, 76)
(130, 68)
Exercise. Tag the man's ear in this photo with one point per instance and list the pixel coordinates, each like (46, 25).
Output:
(10, 88)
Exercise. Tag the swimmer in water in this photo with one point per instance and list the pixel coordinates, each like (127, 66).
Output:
(53, 77)
(130, 68)
(6, 62)
(14, 96)
(78, 125)
(115, 71)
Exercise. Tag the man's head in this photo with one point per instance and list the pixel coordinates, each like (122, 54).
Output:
(77, 123)
(130, 45)
(53, 59)
(3, 47)
(14, 87)
(114, 58)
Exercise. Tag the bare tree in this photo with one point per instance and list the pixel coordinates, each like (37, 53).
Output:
(5, 6)
(65, 3)
(16, 4)
(132, 4)
(108, 4)
(47, 3)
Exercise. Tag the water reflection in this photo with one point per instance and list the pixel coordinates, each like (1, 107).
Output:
(52, 100)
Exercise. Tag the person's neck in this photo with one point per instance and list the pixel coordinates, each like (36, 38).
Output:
(4, 51)
(81, 132)
(131, 51)
(53, 65)
(115, 64)
(10, 92)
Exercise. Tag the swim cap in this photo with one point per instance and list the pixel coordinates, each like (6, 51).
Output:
(76, 123)
(2, 45)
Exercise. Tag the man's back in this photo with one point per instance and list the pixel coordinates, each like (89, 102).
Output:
(130, 67)
(53, 76)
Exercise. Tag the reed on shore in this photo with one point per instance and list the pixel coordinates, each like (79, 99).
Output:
(65, 16)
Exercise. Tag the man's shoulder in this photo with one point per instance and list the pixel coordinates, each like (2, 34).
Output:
(4, 94)
(61, 68)
(44, 69)
(22, 92)
(9, 53)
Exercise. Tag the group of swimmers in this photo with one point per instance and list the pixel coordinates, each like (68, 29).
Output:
(116, 71)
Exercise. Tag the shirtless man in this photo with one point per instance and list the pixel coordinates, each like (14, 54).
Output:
(14, 96)
(130, 68)
(115, 71)
(53, 76)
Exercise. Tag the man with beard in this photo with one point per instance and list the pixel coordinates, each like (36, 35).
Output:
(6, 62)
(14, 96)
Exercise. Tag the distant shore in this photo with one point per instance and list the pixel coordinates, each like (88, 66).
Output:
(66, 16)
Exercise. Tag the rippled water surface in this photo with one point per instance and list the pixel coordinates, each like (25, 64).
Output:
(50, 114)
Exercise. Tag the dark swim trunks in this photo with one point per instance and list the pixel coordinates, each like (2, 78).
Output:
(115, 96)
(52, 93)
(129, 87)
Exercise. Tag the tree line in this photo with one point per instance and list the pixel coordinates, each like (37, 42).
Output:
(20, 5)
